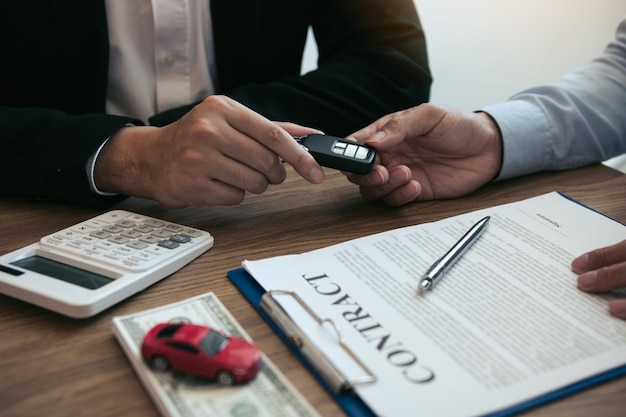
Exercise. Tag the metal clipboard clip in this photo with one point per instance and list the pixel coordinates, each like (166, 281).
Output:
(333, 376)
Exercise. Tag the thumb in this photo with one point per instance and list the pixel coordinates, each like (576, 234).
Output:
(406, 124)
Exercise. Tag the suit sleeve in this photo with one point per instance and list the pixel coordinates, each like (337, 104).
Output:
(372, 61)
(54, 69)
(45, 153)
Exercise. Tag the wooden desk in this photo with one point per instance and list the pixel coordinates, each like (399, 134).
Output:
(56, 366)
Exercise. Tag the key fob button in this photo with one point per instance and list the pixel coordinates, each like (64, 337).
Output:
(361, 153)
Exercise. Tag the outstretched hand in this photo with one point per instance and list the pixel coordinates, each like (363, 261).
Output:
(429, 152)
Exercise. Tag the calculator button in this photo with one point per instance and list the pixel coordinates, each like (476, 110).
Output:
(169, 244)
(142, 228)
(173, 228)
(137, 245)
(112, 216)
(115, 257)
(68, 233)
(137, 218)
(100, 234)
(48, 241)
(76, 244)
(180, 238)
(112, 229)
(191, 233)
(94, 250)
(120, 240)
(154, 223)
(126, 223)
(105, 244)
(131, 234)
(163, 234)
(130, 262)
(145, 256)
(149, 239)
(94, 224)
(61, 237)
(156, 250)
(87, 239)
(124, 250)
(81, 228)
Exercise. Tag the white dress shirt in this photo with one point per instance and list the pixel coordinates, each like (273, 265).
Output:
(161, 55)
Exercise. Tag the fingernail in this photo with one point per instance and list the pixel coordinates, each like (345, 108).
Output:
(411, 190)
(398, 177)
(375, 177)
(380, 135)
(587, 280)
(618, 308)
(408, 192)
(580, 264)
(316, 175)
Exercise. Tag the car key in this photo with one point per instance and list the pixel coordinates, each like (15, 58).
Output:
(337, 153)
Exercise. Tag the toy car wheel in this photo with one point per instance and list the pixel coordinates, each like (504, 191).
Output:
(225, 378)
(160, 363)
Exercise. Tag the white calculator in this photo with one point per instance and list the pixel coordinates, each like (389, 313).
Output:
(83, 269)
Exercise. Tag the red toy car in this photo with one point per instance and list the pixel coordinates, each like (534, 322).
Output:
(202, 351)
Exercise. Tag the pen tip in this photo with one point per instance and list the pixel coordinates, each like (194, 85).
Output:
(424, 285)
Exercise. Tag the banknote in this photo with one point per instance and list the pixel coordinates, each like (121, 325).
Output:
(181, 395)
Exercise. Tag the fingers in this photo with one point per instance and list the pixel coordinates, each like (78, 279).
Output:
(276, 138)
(618, 308)
(391, 130)
(600, 257)
(283, 144)
(379, 175)
(238, 160)
(603, 270)
(607, 278)
(404, 194)
(298, 130)
(395, 186)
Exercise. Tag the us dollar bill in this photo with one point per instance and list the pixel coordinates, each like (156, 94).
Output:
(181, 395)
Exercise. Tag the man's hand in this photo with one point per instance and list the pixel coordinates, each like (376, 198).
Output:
(212, 155)
(429, 152)
(602, 270)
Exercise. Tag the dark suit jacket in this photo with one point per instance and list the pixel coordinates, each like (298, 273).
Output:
(54, 61)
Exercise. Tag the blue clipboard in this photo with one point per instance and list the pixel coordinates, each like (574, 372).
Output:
(250, 288)
(355, 407)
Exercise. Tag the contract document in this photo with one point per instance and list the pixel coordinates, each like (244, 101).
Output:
(504, 328)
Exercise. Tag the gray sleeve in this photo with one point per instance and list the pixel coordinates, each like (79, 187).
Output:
(578, 120)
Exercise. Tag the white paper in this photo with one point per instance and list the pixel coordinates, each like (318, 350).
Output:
(505, 325)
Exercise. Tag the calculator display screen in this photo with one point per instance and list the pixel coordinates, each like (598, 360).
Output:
(63, 272)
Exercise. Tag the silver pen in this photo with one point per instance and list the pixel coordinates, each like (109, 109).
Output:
(443, 264)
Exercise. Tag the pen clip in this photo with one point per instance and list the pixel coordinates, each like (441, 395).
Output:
(333, 376)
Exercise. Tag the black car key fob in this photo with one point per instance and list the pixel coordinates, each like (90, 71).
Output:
(337, 153)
